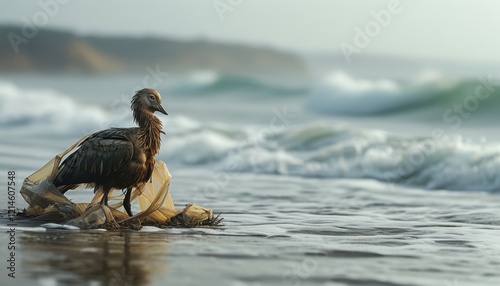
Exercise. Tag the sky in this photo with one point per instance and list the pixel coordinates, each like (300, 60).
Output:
(456, 30)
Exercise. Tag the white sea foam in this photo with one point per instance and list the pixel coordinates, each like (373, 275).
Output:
(321, 150)
(312, 150)
(59, 226)
(45, 109)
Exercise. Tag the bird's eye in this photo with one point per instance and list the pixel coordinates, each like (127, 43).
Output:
(152, 97)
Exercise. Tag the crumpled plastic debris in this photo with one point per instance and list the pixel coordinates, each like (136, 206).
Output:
(47, 203)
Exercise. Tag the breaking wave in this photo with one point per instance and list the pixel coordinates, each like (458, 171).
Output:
(338, 93)
(326, 151)
(44, 109)
(312, 150)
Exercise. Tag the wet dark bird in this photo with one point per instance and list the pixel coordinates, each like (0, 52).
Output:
(117, 158)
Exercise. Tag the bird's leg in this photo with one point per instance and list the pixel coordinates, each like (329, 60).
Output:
(104, 200)
(110, 219)
(126, 201)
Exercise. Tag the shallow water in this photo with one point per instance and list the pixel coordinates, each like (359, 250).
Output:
(313, 203)
(282, 231)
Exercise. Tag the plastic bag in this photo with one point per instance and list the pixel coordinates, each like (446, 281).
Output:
(46, 203)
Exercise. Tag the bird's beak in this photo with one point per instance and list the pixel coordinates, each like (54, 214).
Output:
(160, 109)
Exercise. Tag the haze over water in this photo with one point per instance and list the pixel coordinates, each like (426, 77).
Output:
(375, 168)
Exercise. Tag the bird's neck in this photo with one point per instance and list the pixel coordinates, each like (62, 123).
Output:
(149, 131)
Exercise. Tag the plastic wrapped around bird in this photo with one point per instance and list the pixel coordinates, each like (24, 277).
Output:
(46, 203)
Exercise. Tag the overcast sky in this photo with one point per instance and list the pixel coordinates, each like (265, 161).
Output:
(444, 29)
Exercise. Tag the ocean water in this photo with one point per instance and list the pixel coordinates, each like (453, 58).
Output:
(332, 180)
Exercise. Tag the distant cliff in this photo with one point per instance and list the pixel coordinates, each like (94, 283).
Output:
(57, 51)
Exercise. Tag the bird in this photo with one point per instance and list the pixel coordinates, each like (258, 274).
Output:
(117, 158)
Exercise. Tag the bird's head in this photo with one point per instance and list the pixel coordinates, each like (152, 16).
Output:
(148, 99)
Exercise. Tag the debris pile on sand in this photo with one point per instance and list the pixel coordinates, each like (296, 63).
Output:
(156, 206)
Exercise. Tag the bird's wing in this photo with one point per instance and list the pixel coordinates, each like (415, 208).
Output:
(99, 156)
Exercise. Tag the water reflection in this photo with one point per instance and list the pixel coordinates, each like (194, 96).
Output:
(100, 258)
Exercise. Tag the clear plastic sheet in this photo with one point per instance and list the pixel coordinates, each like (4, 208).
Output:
(47, 203)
